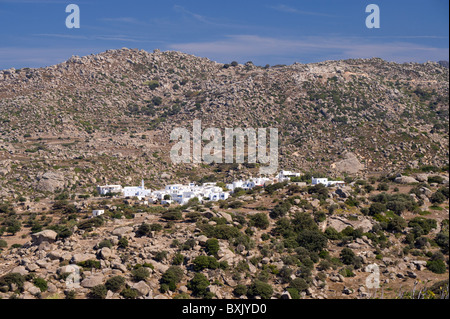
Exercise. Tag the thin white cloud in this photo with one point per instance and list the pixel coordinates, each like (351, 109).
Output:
(288, 9)
(183, 10)
(39, 57)
(219, 23)
(62, 36)
(108, 37)
(323, 48)
(125, 20)
(40, 2)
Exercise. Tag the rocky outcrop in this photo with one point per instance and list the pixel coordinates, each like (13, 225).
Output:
(340, 223)
(44, 236)
(350, 164)
(51, 181)
(406, 180)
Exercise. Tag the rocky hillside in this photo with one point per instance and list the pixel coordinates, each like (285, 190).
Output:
(283, 241)
(106, 118)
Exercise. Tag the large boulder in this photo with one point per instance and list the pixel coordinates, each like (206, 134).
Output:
(227, 216)
(405, 180)
(350, 164)
(122, 230)
(142, 288)
(50, 182)
(5, 168)
(422, 177)
(44, 236)
(105, 253)
(340, 223)
(78, 258)
(92, 281)
(20, 270)
(342, 193)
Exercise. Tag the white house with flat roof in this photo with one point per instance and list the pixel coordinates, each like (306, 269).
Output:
(98, 212)
(286, 175)
(109, 189)
(248, 184)
(326, 182)
(139, 191)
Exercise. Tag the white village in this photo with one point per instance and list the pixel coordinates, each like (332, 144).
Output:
(182, 194)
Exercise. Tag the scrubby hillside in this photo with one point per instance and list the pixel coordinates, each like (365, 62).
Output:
(107, 117)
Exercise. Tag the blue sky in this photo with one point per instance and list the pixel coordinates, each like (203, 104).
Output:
(33, 32)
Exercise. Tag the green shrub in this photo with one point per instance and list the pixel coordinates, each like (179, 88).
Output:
(220, 231)
(435, 179)
(438, 197)
(70, 294)
(198, 285)
(13, 225)
(424, 224)
(240, 290)
(194, 216)
(140, 274)
(156, 227)
(152, 84)
(12, 278)
(437, 266)
(235, 204)
(312, 240)
(89, 264)
(270, 189)
(129, 293)
(347, 272)
(178, 259)
(3, 243)
(259, 288)
(212, 246)
(259, 220)
(320, 217)
(143, 230)
(88, 225)
(442, 239)
(205, 262)
(160, 255)
(171, 278)
(299, 284)
(293, 293)
(98, 292)
(280, 210)
(123, 242)
(347, 256)
(383, 187)
(105, 243)
(302, 222)
(41, 283)
(332, 234)
(182, 296)
(172, 215)
(115, 284)
(321, 191)
(376, 208)
(188, 244)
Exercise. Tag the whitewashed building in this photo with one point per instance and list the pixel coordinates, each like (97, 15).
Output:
(96, 213)
(109, 189)
(286, 176)
(139, 191)
(248, 184)
(182, 194)
(326, 182)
